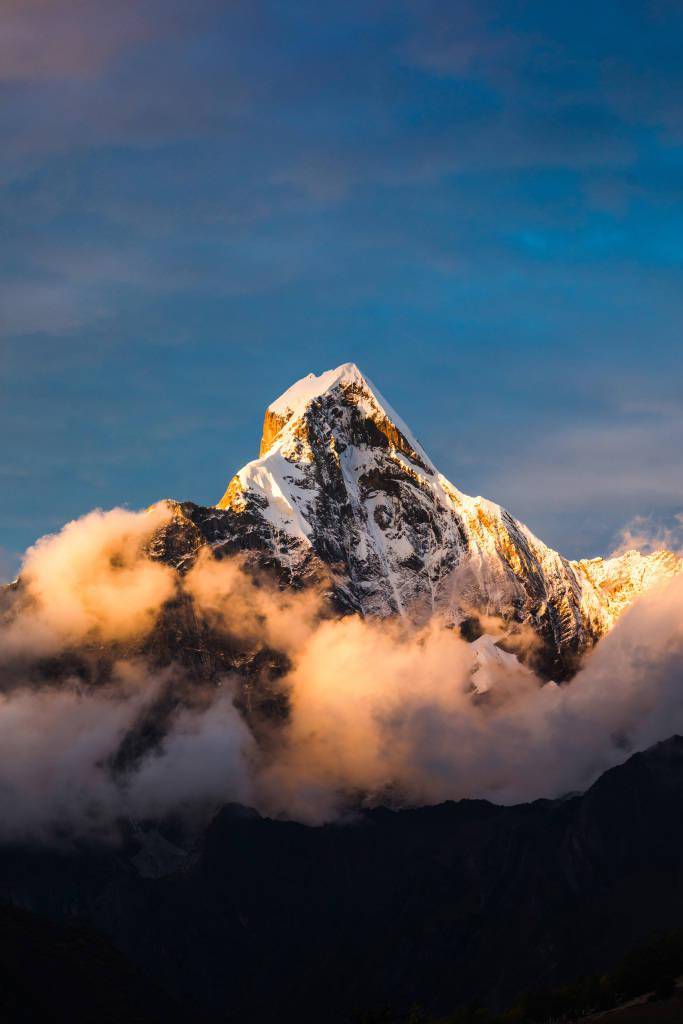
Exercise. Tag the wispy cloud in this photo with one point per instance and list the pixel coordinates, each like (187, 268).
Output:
(597, 476)
(429, 188)
(644, 533)
(58, 39)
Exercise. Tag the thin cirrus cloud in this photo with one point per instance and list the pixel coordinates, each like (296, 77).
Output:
(139, 73)
(432, 189)
(52, 40)
(600, 468)
(44, 40)
(82, 76)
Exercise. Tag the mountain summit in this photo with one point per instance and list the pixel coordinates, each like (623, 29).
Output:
(294, 402)
(342, 492)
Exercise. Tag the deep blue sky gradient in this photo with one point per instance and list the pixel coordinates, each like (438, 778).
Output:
(481, 203)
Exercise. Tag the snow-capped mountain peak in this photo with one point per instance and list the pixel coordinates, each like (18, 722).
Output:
(342, 491)
(294, 400)
(354, 387)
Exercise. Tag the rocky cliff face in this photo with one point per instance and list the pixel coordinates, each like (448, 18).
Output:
(343, 494)
(344, 497)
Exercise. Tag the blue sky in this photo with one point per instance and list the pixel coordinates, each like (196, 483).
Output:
(480, 203)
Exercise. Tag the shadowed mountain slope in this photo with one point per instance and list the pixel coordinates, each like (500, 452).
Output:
(276, 921)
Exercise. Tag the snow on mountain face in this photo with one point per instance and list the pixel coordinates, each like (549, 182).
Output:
(489, 661)
(620, 580)
(342, 491)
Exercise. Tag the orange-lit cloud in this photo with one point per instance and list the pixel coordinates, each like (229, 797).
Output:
(91, 580)
(378, 710)
(254, 611)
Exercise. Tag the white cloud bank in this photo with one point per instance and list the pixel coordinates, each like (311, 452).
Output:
(377, 711)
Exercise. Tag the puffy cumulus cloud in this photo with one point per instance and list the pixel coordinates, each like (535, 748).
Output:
(90, 580)
(206, 758)
(94, 586)
(627, 696)
(250, 609)
(56, 744)
(363, 694)
(378, 710)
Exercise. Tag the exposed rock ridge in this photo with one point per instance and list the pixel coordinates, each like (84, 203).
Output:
(343, 490)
